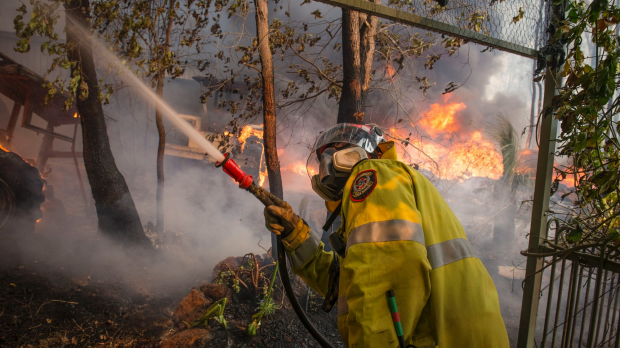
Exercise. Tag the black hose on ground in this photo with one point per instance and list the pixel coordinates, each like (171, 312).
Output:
(259, 193)
(291, 297)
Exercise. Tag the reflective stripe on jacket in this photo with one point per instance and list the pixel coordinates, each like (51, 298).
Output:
(403, 236)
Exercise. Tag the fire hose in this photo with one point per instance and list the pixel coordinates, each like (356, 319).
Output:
(246, 182)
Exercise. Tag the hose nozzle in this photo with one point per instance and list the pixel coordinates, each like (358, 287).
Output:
(233, 170)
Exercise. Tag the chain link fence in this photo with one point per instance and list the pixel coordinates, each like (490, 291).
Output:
(521, 22)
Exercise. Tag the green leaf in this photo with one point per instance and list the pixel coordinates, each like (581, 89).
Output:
(592, 141)
(599, 5)
(215, 310)
(601, 178)
(519, 16)
(581, 144)
(252, 329)
(574, 235)
(573, 15)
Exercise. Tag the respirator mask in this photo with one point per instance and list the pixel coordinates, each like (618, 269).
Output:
(334, 171)
(334, 155)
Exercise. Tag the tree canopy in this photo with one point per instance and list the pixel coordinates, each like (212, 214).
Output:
(587, 106)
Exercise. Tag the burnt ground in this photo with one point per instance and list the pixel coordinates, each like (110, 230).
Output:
(44, 305)
(44, 311)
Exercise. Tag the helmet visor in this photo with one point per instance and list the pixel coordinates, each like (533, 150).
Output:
(343, 133)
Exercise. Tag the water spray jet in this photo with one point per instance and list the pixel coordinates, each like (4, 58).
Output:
(229, 166)
(147, 93)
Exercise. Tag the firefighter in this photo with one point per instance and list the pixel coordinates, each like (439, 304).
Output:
(397, 234)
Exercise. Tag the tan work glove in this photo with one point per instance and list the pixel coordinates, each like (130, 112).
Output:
(280, 218)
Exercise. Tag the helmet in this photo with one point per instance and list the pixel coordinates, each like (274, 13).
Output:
(367, 137)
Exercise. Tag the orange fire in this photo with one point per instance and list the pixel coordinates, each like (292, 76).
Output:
(300, 168)
(3, 148)
(474, 157)
(469, 155)
(440, 118)
(390, 72)
(246, 132)
(569, 182)
(261, 178)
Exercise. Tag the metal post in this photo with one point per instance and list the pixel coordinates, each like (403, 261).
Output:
(10, 129)
(538, 229)
(593, 332)
(558, 305)
(77, 168)
(549, 302)
(47, 147)
(572, 304)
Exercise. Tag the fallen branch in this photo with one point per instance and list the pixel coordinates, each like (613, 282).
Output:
(64, 301)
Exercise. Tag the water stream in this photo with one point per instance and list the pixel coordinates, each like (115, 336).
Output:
(105, 55)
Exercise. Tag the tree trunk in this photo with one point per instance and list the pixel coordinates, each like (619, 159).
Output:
(161, 146)
(161, 130)
(116, 211)
(358, 47)
(368, 30)
(350, 107)
(269, 106)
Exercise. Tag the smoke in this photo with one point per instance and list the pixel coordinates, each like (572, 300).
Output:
(208, 218)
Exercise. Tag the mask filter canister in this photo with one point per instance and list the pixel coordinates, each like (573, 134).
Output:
(345, 160)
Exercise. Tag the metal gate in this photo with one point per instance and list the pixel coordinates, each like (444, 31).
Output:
(579, 293)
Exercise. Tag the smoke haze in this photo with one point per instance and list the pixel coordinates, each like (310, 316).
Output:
(208, 218)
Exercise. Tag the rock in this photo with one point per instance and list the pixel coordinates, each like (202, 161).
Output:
(192, 307)
(193, 338)
(230, 261)
(216, 292)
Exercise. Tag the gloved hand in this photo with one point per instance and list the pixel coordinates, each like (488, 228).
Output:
(280, 217)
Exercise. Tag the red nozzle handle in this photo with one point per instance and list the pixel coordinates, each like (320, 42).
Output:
(234, 171)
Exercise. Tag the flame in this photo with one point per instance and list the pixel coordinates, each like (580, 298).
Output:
(463, 157)
(3, 148)
(390, 72)
(37, 221)
(440, 118)
(248, 131)
(569, 181)
(475, 157)
(300, 168)
(261, 178)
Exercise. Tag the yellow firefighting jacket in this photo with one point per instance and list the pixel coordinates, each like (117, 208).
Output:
(400, 234)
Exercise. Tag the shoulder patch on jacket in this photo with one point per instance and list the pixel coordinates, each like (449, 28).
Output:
(363, 185)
